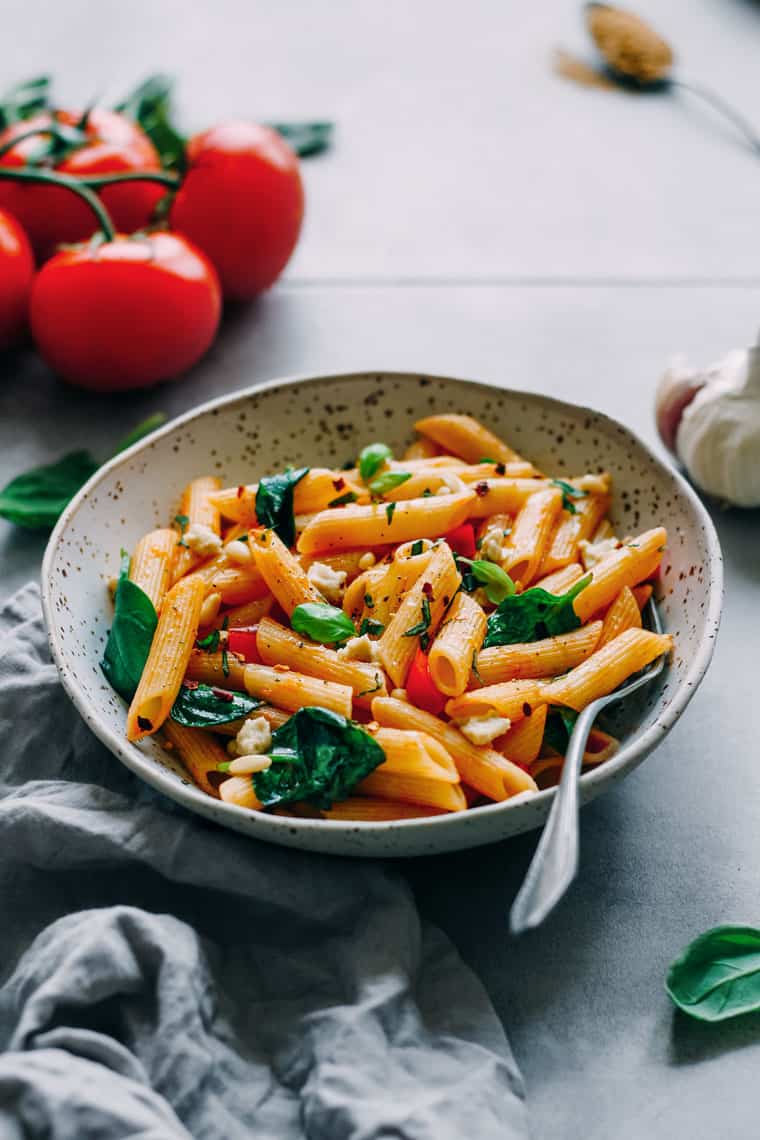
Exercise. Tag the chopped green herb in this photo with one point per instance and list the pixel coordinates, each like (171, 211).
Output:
(498, 584)
(426, 493)
(569, 492)
(478, 677)
(325, 624)
(183, 522)
(421, 628)
(372, 627)
(369, 602)
(375, 688)
(274, 503)
(389, 510)
(201, 706)
(534, 614)
(225, 662)
(372, 458)
(223, 766)
(210, 642)
(486, 459)
(417, 547)
(348, 497)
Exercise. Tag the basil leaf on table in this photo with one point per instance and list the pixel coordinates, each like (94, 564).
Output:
(24, 99)
(498, 584)
(323, 623)
(200, 706)
(306, 139)
(318, 756)
(274, 503)
(130, 636)
(569, 492)
(372, 458)
(718, 974)
(533, 615)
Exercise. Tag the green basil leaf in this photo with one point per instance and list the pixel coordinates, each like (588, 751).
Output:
(210, 643)
(200, 706)
(274, 503)
(559, 726)
(390, 509)
(151, 424)
(150, 105)
(718, 974)
(497, 582)
(421, 628)
(25, 99)
(130, 636)
(323, 623)
(342, 500)
(318, 756)
(533, 615)
(569, 492)
(372, 458)
(37, 498)
(388, 481)
(306, 139)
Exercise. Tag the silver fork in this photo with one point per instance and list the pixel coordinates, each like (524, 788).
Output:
(555, 861)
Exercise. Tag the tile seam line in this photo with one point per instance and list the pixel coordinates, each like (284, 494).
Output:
(527, 282)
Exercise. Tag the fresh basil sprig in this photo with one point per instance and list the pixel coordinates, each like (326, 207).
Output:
(533, 615)
(323, 623)
(318, 756)
(498, 584)
(569, 492)
(718, 974)
(130, 636)
(372, 458)
(306, 139)
(36, 499)
(200, 706)
(274, 503)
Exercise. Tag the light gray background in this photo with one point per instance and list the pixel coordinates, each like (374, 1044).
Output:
(480, 217)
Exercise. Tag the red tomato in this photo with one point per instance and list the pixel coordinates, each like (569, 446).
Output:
(462, 540)
(243, 641)
(127, 313)
(51, 215)
(420, 688)
(16, 274)
(241, 202)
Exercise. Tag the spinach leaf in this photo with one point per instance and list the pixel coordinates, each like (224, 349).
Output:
(569, 492)
(200, 706)
(498, 584)
(372, 458)
(319, 756)
(323, 623)
(274, 503)
(36, 499)
(533, 615)
(388, 481)
(306, 139)
(559, 725)
(718, 974)
(130, 636)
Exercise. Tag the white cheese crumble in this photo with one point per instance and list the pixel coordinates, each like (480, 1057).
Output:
(329, 582)
(360, 649)
(492, 545)
(202, 540)
(593, 553)
(481, 730)
(254, 737)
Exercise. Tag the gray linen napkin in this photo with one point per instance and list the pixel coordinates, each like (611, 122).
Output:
(162, 977)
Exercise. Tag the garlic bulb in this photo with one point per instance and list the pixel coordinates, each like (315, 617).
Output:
(711, 420)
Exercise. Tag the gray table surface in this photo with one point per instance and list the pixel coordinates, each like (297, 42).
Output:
(479, 217)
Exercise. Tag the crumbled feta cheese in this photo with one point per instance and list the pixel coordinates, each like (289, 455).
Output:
(360, 649)
(202, 540)
(329, 582)
(481, 730)
(594, 552)
(238, 552)
(254, 737)
(492, 544)
(367, 561)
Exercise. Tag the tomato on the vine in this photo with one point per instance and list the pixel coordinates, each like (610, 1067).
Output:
(125, 313)
(108, 143)
(16, 274)
(241, 201)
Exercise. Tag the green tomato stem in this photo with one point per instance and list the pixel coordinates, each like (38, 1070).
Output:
(65, 182)
(98, 180)
(30, 134)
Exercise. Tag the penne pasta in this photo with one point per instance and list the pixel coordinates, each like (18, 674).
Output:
(502, 496)
(628, 566)
(527, 541)
(459, 639)
(570, 530)
(153, 562)
(606, 669)
(209, 669)
(376, 525)
(522, 743)
(510, 699)
(249, 613)
(198, 509)
(415, 754)
(413, 789)
(421, 448)
(366, 809)
(561, 580)
(275, 718)
(200, 754)
(282, 572)
(466, 437)
(544, 658)
(286, 689)
(623, 614)
(314, 492)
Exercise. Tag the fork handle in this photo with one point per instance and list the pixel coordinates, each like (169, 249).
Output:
(555, 860)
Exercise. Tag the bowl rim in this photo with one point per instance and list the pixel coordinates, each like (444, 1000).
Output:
(165, 781)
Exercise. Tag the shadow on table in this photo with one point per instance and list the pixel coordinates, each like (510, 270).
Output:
(692, 1041)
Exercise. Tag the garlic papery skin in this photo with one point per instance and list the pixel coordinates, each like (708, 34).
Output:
(718, 438)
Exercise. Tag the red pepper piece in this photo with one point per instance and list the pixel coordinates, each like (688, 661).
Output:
(420, 688)
(462, 540)
(243, 642)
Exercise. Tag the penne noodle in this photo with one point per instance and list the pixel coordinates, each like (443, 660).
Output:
(275, 718)
(167, 661)
(530, 534)
(208, 668)
(415, 754)
(152, 564)
(413, 789)
(628, 566)
(482, 768)
(282, 572)
(458, 640)
(510, 699)
(197, 507)
(522, 743)
(623, 614)
(382, 596)
(503, 496)
(314, 492)
(570, 530)
(466, 437)
(642, 594)
(249, 613)
(200, 754)
(421, 448)
(376, 525)
(280, 646)
(546, 658)
(349, 561)
(236, 584)
(286, 689)
(517, 469)
(365, 809)
(430, 595)
(606, 669)
(561, 580)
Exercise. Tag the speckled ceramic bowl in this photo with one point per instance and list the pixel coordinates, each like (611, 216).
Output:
(327, 420)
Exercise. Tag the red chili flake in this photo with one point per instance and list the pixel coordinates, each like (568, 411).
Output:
(240, 491)
(223, 695)
(190, 685)
(481, 488)
(339, 483)
(501, 469)
(446, 599)
(144, 724)
(427, 589)
(527, 710)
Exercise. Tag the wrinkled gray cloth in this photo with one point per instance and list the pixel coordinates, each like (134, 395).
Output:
(162, 977)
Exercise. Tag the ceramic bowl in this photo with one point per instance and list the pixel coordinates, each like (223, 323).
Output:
(327, 419)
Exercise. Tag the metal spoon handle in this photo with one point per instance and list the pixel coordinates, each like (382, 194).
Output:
(555, 860)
